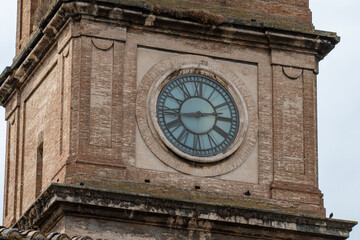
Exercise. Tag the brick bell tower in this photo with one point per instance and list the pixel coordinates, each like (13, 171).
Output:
(156, 119)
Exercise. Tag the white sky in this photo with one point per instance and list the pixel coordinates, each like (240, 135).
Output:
(338, 104)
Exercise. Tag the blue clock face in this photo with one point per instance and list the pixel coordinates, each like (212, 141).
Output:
(197, 115)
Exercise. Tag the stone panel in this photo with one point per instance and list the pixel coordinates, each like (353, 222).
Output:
(146, 59)
(101, 92)
(288, 122)
(247, 135)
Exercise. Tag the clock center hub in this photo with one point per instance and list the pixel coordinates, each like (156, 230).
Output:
(198, 115)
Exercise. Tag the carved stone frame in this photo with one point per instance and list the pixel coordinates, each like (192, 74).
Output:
(148, 91)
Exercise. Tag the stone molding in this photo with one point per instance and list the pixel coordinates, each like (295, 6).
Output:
(315, 42)
(16, 234)
(292, 73)
(60, 200)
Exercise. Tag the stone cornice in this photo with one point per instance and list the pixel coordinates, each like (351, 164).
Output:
(140, 15)
(60, 200)
(15, 234)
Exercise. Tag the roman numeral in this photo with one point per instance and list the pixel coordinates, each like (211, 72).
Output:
(211, 141)
(174, 123)
(170, 111)
(198, 89)
(220, 131)
(221, 105)
(173, 130)
(174, 98)
(211, 94)
(197, 143)
(183, 135)
(224, 119)
(185, 90)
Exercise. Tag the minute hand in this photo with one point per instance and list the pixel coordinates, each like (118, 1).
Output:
(199, 114)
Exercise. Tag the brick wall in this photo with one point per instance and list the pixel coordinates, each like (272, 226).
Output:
(288, 12)
(38, 120)
(29, 15)
(293, 14)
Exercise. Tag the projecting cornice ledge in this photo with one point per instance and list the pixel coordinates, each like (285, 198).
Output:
(202, 25)
(61, 200)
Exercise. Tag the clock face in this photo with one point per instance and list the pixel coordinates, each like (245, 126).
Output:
(197, 115)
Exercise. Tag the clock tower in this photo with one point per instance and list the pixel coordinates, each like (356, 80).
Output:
(156, 119)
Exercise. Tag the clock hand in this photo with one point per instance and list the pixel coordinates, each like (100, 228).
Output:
(188, 114)
(210, 114)
(199, 114)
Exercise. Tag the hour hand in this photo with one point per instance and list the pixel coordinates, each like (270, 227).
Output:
(188, 114)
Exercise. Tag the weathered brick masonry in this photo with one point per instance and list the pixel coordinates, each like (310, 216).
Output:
(85, 156)
(277, 13)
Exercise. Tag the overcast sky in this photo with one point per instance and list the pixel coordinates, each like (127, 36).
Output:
(338, 104)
